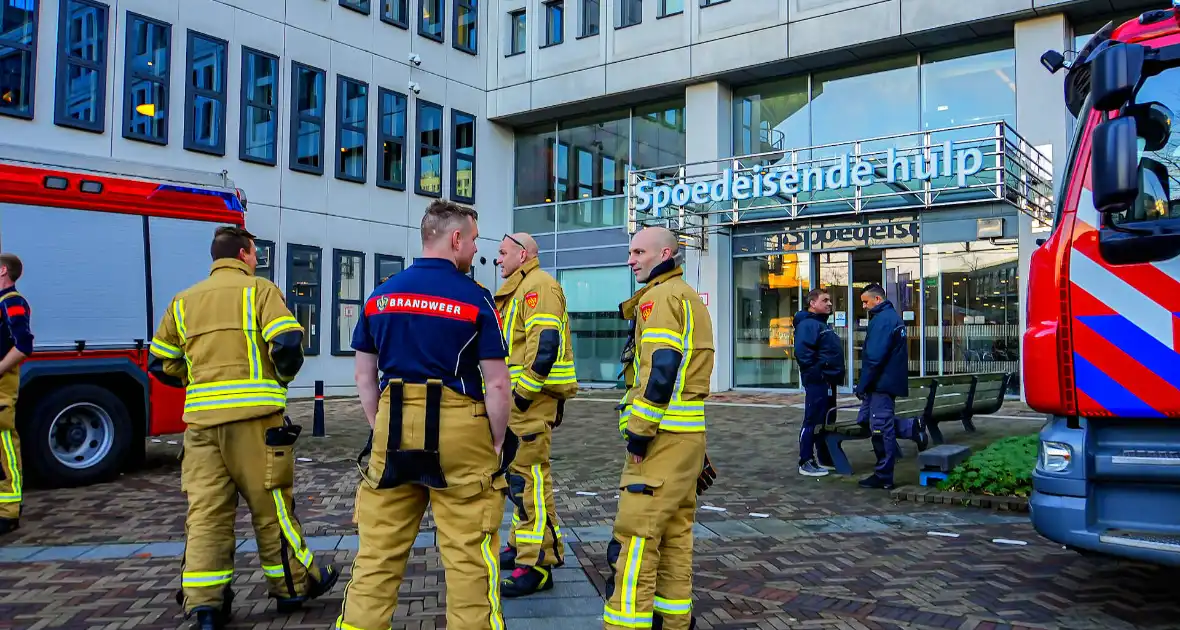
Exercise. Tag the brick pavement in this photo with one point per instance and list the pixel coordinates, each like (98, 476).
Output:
(825, 555)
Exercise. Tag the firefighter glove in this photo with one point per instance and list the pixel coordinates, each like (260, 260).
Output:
(707, 477)
(637, 444)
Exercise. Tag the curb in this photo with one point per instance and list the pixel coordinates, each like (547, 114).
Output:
(920, 494)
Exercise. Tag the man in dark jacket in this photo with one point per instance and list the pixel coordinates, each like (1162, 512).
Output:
(884, 375)
(820, 354)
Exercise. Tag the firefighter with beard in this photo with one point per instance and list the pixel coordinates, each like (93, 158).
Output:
(233, 344)
(541, 364)
(668, 367)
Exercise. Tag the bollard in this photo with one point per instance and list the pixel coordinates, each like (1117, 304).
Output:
(317, 422)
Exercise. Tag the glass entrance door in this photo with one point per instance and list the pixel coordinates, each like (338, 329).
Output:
(866, 270)
(832, 274)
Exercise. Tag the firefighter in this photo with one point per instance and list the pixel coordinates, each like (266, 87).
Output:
(16, 343)
(232, 342)
(663, 420)
(541, 366)
(426, 336)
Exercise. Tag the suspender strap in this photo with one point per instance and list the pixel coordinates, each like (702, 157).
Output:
(433, 415)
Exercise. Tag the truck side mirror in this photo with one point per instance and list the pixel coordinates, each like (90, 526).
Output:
(1116, 72)
(1114, 165)
(1153, 123)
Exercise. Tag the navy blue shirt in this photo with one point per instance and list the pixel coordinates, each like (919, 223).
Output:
(15, 318)
(431, 321)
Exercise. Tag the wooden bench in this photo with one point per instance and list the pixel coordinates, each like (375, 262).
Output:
(935, 399)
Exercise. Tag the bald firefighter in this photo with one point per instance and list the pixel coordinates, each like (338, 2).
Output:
(541, 364)
(428, 346)
(232, 342)
(663, 420)
(16, 344)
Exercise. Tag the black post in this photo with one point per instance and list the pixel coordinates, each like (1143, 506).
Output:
(317, 422)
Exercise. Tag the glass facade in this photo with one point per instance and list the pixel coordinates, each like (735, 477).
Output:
(572, 175)
(960, 302)
(592, 301)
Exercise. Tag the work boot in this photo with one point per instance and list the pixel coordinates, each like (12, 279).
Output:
(922, 437)
(876, 483)
(526, 581)
(507, 558)
(207, 618)
(9, 525)
(316, 588)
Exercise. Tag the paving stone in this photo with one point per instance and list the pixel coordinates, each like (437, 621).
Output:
(582, 588)
(423, 540)
(250, 546)
(775, 527)
(552, 607)
(595, 533)
(572, 574)
(702, 531)
(858, 524)
(163, 550)
(110, 552)
(59, 553)
(349, 543)
(558, 623)
(727, 529)
(322, 543)
(13, 554)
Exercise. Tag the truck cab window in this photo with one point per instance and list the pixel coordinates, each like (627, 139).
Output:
(1159, 177)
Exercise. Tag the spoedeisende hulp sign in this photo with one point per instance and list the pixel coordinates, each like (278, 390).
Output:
(791, 180)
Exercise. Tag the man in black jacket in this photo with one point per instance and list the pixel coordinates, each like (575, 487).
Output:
(884, 375)
(820, 354)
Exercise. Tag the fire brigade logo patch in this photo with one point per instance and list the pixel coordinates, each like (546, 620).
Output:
(531, 298)
(645, 309)
(382, 302)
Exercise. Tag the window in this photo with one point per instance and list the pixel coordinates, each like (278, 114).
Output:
(430, 128)
(517, 39)
(258, 131)
(348, 298)
(81, 65)
(352, 119)
(148, 57)
(462, 157)
(360, 6)
(709, 3)
(391, 135)
(430, 19)
(204, 115)
(303, 292)
(387, 266)
(591, 12)
(598, 334)
(630, 13)
(308, 100)
(671, 7)
(396, 12)
(466, 26)
(554, 22)
(18, 70)
(266, 268)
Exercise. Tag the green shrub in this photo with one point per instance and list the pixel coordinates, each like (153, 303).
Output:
(1002, 469)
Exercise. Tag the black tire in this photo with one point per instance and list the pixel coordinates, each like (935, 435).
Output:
(43, 468)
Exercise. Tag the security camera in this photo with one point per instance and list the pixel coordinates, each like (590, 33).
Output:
(415, 59)
(415, 88)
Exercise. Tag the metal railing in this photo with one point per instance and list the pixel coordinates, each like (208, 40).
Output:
(987, 163)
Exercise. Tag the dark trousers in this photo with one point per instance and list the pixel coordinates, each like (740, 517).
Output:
(876, 410)
(818, 402)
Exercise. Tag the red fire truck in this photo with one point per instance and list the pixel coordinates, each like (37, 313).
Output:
(105, 245)
(1102, 349)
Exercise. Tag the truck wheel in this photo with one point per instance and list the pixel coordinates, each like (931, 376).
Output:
(77, 435)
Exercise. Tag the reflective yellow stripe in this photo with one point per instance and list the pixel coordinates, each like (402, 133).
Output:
(680, 416)
(235, 394)
(182, 333)
(279, 326)
(542, 319)
(615, 618)
(250, 329)
(644, 410)
(273, 570)
(340, 625)
(663, 336)
(510, 324)
(492, 564)
(303, 554)
(537, 533)
(164, 350)
(200, 579)
(673, 606)
(9, 452)
(631, 574)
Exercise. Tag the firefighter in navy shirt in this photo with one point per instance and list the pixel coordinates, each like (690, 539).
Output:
(16, 343)
(427, 344)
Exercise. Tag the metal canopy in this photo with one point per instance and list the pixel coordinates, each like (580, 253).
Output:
(924, 171)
